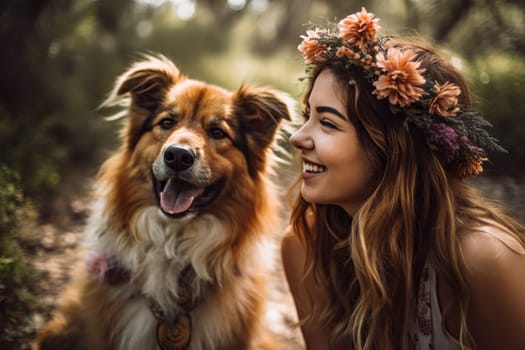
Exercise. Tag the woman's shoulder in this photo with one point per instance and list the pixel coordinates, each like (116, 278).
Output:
(494, 266)
(490, 246)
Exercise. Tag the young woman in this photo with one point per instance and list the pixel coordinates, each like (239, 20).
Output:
(388, 247)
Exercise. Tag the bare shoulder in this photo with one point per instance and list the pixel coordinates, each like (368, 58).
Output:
(309, 296)
(293, 257)
(488, 248)
(290, 242)
(493, 258)
(289, 233)
(494, 264)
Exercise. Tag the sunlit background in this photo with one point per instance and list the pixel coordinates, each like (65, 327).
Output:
(60, 59)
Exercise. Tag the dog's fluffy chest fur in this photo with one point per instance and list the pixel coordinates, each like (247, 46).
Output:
(157, 257)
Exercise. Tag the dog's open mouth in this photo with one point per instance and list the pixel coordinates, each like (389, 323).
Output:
(178, 198)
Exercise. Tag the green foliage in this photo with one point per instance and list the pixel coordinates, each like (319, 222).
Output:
(499, 81)
(61, 59)
(16, 299)
(49, 119)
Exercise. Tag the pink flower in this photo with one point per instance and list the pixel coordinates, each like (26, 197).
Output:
(446, 100)
(97, 265)
(359, 28)
(401, 79)
(310, 47)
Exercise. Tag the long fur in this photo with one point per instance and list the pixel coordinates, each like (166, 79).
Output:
(224, 241)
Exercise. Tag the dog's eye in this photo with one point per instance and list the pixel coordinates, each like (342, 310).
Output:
(217, 133)
(167, 123)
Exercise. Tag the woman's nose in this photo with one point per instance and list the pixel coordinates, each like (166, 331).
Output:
(301, 140)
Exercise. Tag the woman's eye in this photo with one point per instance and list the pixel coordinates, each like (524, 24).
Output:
(217, 133)
(167, 123)
(327, 123)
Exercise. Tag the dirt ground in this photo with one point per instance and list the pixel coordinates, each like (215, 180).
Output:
(57, 252)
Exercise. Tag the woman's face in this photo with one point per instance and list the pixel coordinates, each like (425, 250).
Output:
(336, 170)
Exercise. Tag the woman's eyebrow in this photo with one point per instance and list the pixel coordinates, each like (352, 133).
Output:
(327, 109)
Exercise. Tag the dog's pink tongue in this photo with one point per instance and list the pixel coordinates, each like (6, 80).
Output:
(175, 200)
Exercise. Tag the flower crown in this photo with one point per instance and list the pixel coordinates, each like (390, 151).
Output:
(456, 134)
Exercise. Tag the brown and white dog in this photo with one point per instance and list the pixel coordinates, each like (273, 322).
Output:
(180, 215)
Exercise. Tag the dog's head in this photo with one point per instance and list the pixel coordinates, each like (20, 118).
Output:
(189, 146)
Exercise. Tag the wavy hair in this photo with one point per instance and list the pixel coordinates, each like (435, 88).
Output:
(371, 264)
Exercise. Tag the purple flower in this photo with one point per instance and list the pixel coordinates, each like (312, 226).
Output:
(445, 141)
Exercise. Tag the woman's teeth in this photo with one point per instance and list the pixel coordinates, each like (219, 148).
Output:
(312, 168)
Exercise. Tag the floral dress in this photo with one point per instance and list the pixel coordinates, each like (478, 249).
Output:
(427, 331)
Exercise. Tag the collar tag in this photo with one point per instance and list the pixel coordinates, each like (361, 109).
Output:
(174, 335)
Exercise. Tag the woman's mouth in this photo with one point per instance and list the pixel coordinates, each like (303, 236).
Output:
(313, 168)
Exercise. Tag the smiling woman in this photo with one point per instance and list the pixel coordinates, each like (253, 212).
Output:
(336, 170)
(388, 247)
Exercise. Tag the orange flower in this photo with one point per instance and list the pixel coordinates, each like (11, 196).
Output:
(310, 47)
(344, 51)
(473, 168)
(446, 100)
(401, 77)
(359, 28)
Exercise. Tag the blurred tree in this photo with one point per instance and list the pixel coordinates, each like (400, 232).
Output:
(110, 14)
(43, 111)
(16, 298)
(291, 25)
(224, 12)
(470, 26)
(60, 59)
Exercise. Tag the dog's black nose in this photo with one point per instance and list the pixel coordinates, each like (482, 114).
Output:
(179, 157)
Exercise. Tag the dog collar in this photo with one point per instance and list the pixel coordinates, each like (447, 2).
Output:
(174, 328)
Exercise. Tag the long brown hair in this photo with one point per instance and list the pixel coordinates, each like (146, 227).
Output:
(370, 264)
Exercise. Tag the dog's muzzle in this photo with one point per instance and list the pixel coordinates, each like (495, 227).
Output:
(179, 157)
(178, 182)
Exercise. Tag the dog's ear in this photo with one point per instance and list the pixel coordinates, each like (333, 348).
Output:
(147, 82)
(141, 89)
(260, 111)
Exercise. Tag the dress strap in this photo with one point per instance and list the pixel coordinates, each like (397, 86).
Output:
(422, 327)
